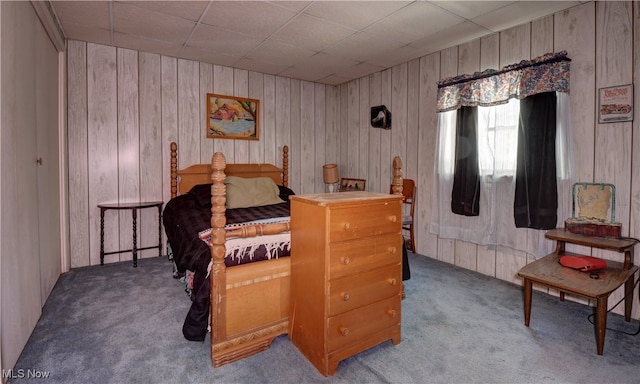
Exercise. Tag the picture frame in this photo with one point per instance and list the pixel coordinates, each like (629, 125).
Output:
(349, 185)
(615, 104)
(231, 117)
(380, 117)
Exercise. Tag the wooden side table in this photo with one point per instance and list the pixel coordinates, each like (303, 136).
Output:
(134, 207)
(547, 271)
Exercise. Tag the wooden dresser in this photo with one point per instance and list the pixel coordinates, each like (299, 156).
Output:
(346, 274)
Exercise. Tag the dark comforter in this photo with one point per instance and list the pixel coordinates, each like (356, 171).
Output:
(185, 216)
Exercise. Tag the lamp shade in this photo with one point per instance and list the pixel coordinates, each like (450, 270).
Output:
(330, 173)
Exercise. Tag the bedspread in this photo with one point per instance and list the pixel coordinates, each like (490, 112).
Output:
(184, 218)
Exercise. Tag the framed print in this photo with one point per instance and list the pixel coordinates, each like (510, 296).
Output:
(347, 184)
(380, 117)
(615, 104)
(230, 117)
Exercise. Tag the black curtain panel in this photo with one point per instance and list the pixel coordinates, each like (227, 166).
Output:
(536, 195)
(465, 195)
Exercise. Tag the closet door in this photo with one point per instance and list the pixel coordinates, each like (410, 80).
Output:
(21, 298)
(48, 166)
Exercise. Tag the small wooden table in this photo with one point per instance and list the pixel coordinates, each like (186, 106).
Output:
(134, 209)
(548, 271)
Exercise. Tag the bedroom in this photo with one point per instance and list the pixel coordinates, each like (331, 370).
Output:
(317, 119)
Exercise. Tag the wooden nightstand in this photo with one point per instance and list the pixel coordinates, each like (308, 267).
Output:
(548, 271)
(346, 274)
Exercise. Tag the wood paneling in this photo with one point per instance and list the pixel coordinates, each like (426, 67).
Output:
(77, 139)
(128, 128)
(151, 186)
(102, 146)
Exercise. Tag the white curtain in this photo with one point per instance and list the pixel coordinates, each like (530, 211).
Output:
(497, 147)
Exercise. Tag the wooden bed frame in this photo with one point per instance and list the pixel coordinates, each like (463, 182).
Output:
(249, 302)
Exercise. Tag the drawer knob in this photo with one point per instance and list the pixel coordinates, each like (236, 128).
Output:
(392, 250)
(393, 218)
(344, 331)
(346, 296)
(392, 281)
(346, 226)
(345, 260)
(391, 312)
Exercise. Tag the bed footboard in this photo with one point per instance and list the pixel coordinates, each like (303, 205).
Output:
(249, 303)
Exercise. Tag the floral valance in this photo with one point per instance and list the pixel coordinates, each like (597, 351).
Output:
(547, 73)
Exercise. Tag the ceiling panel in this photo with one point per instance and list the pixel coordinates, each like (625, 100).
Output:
(330, 42)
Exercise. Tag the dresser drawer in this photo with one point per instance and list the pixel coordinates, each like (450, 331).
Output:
(351, 257)
(356, 291)
(351, 326)
(347, 223)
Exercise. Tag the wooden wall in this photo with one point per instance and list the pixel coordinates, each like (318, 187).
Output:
(126, 106)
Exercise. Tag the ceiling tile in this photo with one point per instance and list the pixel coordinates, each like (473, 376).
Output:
(312, 33)
(86, 13)
(190, 10)
(457, 34)
(354, 14)
(255, 18)
(471, 9)
(363, 46)
(275, 52)
(414, 21)
(221, 40)
(152, 25)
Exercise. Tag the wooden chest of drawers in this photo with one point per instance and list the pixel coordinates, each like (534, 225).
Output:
(346, 274)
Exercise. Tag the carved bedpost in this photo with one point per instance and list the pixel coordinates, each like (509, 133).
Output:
(397, 176)
(218, 250)
(173, 164)
(285, 166)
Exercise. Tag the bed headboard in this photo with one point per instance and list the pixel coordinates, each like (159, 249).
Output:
(182, 180)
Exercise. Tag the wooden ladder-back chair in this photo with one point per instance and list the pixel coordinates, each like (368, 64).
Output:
(409, 198)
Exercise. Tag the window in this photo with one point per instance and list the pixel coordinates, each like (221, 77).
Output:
(497, 157)
(498, 139)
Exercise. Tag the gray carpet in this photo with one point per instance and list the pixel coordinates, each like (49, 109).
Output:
(117, 324)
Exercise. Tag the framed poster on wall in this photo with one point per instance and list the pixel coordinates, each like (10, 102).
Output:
(615, 104)
(230, 117)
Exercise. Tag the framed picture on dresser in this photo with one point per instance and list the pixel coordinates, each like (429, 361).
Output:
(348, 184)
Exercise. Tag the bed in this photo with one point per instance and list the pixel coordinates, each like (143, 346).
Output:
(249, 303)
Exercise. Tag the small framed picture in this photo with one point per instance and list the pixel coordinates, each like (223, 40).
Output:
(349, 185)
(615, 104)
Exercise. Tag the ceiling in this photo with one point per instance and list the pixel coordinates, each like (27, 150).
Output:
(328, 42)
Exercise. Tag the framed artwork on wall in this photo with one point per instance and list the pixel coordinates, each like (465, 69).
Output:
(615, 104)
(348, 184)
(230, 117)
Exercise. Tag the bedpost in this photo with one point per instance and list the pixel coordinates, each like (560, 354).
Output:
(397, 176)
(285, 166)
(173, 164)
(218, 237)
